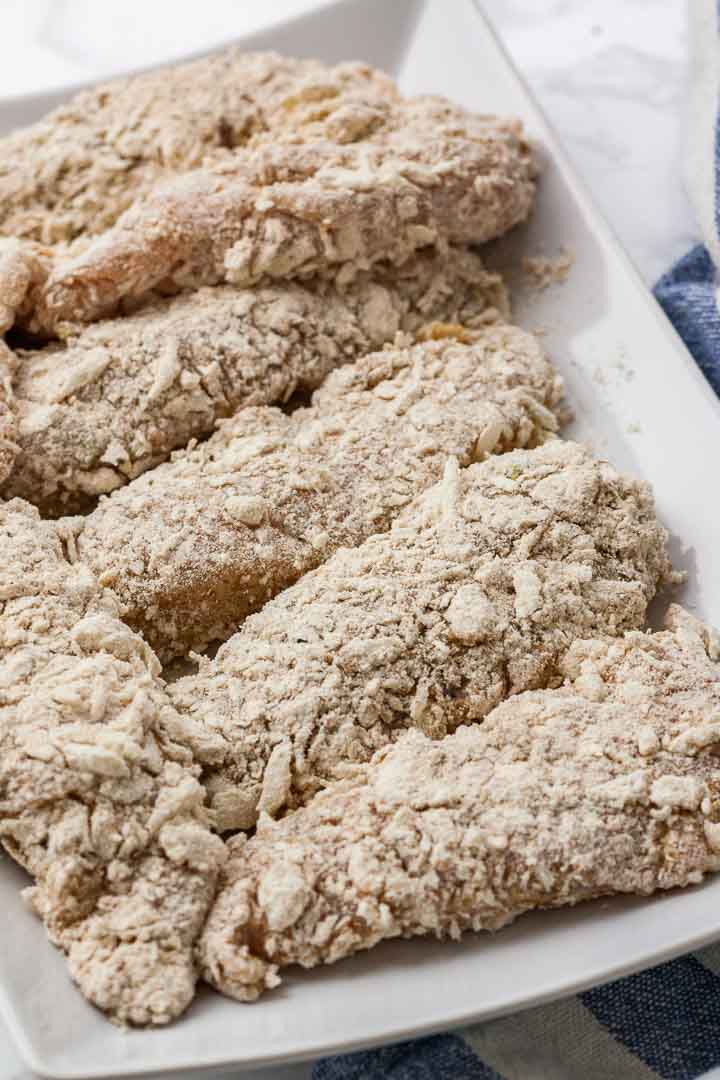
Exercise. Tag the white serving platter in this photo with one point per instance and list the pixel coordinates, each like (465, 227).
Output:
(640, 401)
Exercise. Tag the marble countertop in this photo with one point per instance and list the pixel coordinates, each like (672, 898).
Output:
(611, 78)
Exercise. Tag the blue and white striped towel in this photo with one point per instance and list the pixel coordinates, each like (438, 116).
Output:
(665, 1022)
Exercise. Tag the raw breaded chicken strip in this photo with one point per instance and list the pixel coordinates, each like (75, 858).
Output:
(437, 175)
(474, 594)
(610, 784)
(96, 799)
(118, 397)
(73, 173)
(197, 544)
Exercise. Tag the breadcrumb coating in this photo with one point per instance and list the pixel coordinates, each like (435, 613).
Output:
(433, 174)
(21, 267)
(610, 784)
(197, 544)
(120, 395)
(97, 800)
(8, 424)
(75, 172)
(475, 593)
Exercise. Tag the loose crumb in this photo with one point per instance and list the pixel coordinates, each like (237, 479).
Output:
(540, 271)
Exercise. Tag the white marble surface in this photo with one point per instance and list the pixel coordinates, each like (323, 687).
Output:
(610, 76)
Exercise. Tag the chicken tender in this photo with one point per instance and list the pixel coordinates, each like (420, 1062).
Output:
(437, 175)
(474, 594)
(97, 801)
(75, 172)
(197, 544)
(118, 397)
(610, 784)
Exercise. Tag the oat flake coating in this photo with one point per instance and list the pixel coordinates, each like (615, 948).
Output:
(433, 174)
(8, 422)
(610, 784)
(120, 395)
(97, 800)
(197, 544)
(21, 267)
(73, 173)
(474, 594)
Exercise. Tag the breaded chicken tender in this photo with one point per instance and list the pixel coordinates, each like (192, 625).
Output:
(197, 544)
(75, 172)
(610, 784)
(434, 174)
(97, 801)
(120, 395)
(475, 593)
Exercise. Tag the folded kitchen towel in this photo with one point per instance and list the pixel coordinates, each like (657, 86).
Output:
(663, 1022)
(689, 295)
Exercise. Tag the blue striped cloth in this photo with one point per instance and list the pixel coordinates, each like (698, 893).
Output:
(664, 1022)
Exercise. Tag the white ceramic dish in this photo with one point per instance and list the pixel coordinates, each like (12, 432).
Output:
(641, 401)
